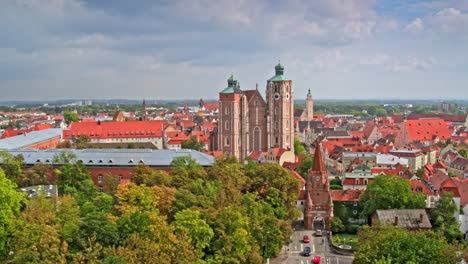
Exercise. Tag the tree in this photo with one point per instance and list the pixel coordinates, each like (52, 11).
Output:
(12, 166)
(337, 226)
(73, 178)
(70, 116)
(298, 147)
(390, 192)
(390, 244)
(37, 175)
(443, 217)
(199, 232)
(463, 153)
(82, 141)
(11, 202)
(381, 112)
(305, 165)
(193, 143)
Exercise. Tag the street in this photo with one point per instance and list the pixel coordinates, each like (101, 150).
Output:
(294, 252)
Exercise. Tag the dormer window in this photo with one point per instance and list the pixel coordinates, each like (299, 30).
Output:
(130, 161)
(38, 160)
(111, 161)
(90, 161)
(141, 162)
(101, 161)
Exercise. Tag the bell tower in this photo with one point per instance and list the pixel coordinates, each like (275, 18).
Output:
(280, 109)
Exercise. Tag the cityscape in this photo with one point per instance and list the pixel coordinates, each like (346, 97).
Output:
(209, 132)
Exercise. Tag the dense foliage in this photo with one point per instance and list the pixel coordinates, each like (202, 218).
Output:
(230, 213)
(389, 244)
(390, 192)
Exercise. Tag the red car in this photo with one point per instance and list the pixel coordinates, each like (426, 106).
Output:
(306, 239)
(316, 260)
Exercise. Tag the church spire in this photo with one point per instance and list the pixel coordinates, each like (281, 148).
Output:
(318, 159)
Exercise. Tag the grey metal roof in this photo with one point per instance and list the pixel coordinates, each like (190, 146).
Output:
(29, 138)
(408, 218)
(115, 157)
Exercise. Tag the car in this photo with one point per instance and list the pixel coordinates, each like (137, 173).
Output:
(316, 260)
(307, 252)
(306, 239)
(318, 232)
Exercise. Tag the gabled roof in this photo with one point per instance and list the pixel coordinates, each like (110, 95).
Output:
(427, 129)
(346, 195)
(408, 218)
(298, 177)
(130, 129)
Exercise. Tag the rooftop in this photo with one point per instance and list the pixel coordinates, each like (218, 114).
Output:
(115, 157)
(30, 138)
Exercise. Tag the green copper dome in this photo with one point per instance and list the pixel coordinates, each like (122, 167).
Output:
(279, 74)
(233, 86)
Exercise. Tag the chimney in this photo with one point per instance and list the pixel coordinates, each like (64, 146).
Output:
(421, 218)
(396, 220)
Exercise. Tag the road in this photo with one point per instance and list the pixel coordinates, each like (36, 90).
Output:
(293, 253)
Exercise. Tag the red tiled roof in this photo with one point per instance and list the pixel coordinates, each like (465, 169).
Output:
(368, 128)
(318, 159)
(427, 129)
(346, 195)
(439, 165)
(424, 188)
(215, 154)
(298, 177)
(130, 129)
(211, 106)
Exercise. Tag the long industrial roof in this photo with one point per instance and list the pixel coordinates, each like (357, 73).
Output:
(114, 157)
(29, 138)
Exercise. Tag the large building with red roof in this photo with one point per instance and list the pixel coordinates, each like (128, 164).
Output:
(426, 131)
(118, 132)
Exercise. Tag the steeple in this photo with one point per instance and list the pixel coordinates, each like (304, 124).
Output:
(309, 94)
(279, 69)
(318, 159)
(144, 113)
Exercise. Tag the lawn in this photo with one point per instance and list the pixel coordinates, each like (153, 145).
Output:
(351, 240)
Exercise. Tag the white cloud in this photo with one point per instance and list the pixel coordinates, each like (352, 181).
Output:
(416, 26)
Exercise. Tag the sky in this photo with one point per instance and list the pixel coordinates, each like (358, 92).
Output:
(187, 49)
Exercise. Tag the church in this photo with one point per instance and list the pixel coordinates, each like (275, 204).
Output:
(248, 123)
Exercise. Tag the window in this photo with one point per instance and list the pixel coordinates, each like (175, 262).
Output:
(256, 139)
(226, 125)
(276, 140)
(226, 141)
(120, 178)
(100, 189)
(226, 110)
(100, 179)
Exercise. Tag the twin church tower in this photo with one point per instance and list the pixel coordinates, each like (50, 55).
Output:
(249, 123)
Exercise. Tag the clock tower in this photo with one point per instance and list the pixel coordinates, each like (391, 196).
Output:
(280, 109)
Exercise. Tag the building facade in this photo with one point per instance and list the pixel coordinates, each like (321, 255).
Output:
(249, 123)
(318, 210)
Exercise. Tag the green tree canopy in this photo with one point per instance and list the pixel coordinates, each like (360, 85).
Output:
(193, 143)
(70, 116)
(390, 244)
(390, 192)
(305, 165)
(200, 233)
(11, 202)
(443, 217)
(298, 147)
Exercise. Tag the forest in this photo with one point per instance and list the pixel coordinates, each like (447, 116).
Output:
(229, 213)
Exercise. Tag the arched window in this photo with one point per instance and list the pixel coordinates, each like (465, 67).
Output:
(226, 125)
(226, 141)
(256, 138)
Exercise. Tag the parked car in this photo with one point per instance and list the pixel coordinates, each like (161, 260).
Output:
(316, 260)
(318, 232)
(306, 239)
(307, 252)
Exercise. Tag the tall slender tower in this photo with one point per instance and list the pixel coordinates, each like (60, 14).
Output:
(280, 109)
(229, 124)
(319, 207)
(309, 107)
(144, 112)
